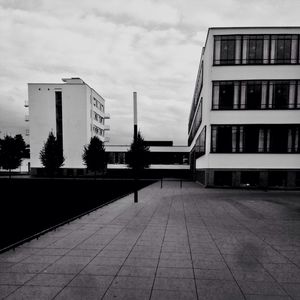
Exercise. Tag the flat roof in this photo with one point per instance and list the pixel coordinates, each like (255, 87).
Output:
(255, 27)
(66, 83)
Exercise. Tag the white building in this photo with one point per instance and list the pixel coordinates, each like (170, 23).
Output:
(73, 111)
(245, 121)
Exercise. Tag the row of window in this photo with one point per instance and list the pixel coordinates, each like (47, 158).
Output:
(197, 122)
(283, 94)
(199, 148)
(98, 130)
(98, 118)
(157, 158)
(256, 49)
(255, 178)
(255, 138)
(98, 104)
(197, 93)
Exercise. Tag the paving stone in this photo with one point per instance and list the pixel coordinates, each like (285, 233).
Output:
(129, 282)
(5, 290)
(80, 293)
(141, 262)
(91, 281)
(127, 294)
(223, 274)
(174, 284)
(64, 268)
(50, 280)
(261, 288)
(172, 295)
(15, 278)
(28, 267)
(175, 263)
(100, 270)
(218, 289)
(175, 272)
(34, 293)
(137, 271)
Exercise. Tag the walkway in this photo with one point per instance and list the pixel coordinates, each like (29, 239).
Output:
(188, 243)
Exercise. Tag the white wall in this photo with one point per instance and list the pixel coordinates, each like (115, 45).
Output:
(74, 106)
(41, 118)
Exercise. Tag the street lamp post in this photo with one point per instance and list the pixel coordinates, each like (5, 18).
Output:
(135, 130)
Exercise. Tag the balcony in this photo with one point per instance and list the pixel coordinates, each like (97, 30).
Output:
(27, 132)
(106, 116)
(106, 127)
(26, 103)
(26, 118)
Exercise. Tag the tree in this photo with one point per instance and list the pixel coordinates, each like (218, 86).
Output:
(51, 155)
(11, 152)
(138, 154)
(94, 155)
(20, 144)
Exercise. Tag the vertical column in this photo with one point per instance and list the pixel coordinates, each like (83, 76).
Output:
(59, 124)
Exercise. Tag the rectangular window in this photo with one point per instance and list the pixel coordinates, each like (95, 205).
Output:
(250, 178)
(253, 95)
(224, 139)
(283, 47)
(255, 49)
(279, 139)
(251, 139)
(227, 51)
(223, 178)
(277, 178)
(281, 95)
(226, 95)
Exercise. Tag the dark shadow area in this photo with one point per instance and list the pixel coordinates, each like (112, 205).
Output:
(29, 206)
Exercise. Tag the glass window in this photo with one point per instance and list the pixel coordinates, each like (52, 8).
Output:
(227, 53)
(253, 95)
(281, 94)
(251, 139)
(223, 178)
(279, 139)
(283, 49)
(226, 95)
(255, 50)
(224, 139)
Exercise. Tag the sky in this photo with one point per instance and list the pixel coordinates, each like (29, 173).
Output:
(152, 47)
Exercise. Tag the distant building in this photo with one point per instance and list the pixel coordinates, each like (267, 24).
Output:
(73, 111)
(244, 122)
(160, 157)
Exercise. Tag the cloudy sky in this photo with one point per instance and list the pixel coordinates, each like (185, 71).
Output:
(120, 46)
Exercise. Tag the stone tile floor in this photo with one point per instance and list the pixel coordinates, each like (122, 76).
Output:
(189, 243)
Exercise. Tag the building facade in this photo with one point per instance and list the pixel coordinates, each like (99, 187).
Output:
(244, 122)
(73, 111)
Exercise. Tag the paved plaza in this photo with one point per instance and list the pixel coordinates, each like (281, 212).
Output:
(189, 243)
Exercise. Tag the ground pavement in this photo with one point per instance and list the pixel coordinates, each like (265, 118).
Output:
(189, 243)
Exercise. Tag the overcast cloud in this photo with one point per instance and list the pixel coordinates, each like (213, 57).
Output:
(117, 46)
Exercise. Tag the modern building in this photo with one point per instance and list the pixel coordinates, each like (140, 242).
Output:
(73, 111)
(165, 159)
(244, 121)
